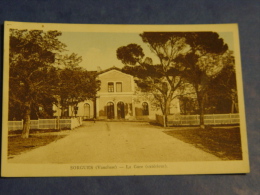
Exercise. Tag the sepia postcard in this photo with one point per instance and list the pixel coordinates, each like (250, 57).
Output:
(115, 100)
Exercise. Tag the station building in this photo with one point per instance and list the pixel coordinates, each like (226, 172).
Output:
(118, 99)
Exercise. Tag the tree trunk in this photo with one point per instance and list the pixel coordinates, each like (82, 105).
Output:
(202, 124)
(167, 111)
(95, 107)
(62, 112)
(201, 109)
(232, 106)
(26, 121)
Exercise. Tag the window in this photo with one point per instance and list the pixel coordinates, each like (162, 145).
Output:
(118, 87)
(110, 87)
(145, 109)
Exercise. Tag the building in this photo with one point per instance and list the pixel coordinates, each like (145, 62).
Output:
(117, 99)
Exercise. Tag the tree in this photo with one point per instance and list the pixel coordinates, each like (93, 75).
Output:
(188, 105)
(161, 80)
(204, 61)
(40, 75)
(76, 85)
(223, 88)
(32, 74)
(195, 58)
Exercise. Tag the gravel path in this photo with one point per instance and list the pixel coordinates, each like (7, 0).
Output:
(115, 142)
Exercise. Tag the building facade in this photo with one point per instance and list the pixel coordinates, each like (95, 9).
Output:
(117, 99)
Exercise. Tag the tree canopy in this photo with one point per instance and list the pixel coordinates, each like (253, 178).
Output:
(186, 58)
(161, 80)
(204, 61)
(39, 73)
(32, 75)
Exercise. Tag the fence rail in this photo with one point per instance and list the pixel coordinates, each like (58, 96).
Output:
(189, 120)
(47, 124)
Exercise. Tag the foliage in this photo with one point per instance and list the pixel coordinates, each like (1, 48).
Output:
(76, 85)
(32, 76)
(130, 54)
(197, 59)
(161, 80)
(39, 73)
(205, 60)
(222, 89)
(188, 105)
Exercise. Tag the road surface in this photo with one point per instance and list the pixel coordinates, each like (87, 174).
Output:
(115, 142)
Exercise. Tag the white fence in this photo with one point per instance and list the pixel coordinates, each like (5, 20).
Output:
(47, 124)
(190, 120)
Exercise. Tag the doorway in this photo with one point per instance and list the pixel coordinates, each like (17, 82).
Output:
(86, 111)
(120, 110)
(110, 110)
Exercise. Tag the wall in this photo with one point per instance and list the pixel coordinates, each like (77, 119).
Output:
(115, 76)
(102, 104)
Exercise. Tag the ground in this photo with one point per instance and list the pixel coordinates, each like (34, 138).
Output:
(223, 142)
(115, 142)
(37, 138)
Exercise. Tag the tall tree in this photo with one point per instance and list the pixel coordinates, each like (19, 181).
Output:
(223, 88)
(76, 85)
(185, 57)
(32, 75)
(161, 80)
(204, 61)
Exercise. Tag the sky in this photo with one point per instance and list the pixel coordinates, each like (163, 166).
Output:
(98, 49)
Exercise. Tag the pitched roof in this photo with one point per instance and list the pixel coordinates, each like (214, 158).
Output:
(109, 69)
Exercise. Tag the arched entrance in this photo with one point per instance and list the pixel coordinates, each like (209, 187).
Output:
(120, 110)
(110, 110)
(86, 111)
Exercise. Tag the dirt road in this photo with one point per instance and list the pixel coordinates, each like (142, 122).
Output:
(115, 142)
